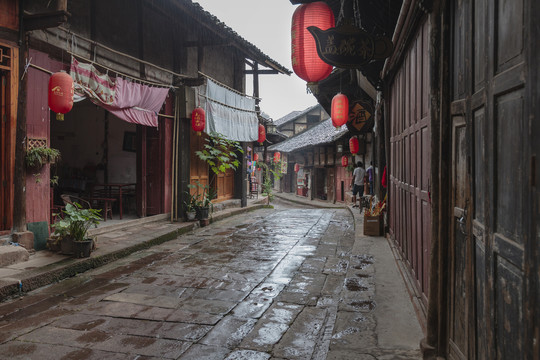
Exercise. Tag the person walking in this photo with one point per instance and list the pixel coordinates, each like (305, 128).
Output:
(370, 176)
(358, 181)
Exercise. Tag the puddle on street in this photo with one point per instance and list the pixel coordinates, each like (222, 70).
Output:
(364, 305)
(355, 285)
(345, 332)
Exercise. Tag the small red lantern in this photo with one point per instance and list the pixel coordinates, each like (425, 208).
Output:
(255, 157)
(296, 167)
(344, 161)
(61, 94)
(340, 110)
(306, 62)
(262, 134)
(354, 147)
(277, 157)
(198, 120)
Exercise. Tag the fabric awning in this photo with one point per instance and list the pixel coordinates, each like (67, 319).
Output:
(132, 102)
(228, 113)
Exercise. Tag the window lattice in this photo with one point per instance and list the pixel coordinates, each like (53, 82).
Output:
(34, 143)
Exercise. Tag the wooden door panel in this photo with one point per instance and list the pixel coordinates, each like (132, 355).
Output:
(459, 277)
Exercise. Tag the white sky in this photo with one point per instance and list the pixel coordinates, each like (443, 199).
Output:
(267, 25)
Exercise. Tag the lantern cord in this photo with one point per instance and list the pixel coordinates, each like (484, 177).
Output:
(341, 15)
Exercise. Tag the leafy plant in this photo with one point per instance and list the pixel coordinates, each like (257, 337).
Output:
(350, 168)
(191, 203)
(220, 153)
(41, 155)
(270, 171)
(77, 221)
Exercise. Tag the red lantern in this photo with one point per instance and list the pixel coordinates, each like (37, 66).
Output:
(340, 110)
(255, 157)
(277, 157)
(198, 120)
(61, 94)
(262, 134)
(296, 167)
(344, 161)
(353, 145)
(305, 61)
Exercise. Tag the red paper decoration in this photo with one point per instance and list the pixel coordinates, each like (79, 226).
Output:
(344, 161)
(262, 134)
(340, 110)
(306, 62)
(61, 94)
(277, 157)
(198, 120)
(296, 167)
(354, 146)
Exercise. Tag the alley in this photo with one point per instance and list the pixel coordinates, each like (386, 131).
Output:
(284, 283)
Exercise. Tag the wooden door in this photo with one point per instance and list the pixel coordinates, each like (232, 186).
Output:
(224, 185)
(491, 149)
(154, 172)
(409, 171)
(4, 154)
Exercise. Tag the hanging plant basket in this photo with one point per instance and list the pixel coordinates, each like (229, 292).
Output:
(38, 156)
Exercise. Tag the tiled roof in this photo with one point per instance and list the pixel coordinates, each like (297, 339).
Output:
(222, 28)
(323, 133)
(293, 116)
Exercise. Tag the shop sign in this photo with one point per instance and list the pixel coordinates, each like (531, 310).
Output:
(350, 47)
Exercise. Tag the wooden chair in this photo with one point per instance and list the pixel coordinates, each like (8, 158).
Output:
(105, 204)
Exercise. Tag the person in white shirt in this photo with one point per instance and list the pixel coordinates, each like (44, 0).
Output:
(358, 181)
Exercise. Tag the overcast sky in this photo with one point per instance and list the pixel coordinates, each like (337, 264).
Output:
(267, 25)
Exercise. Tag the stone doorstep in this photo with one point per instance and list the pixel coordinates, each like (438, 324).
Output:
(11, 254)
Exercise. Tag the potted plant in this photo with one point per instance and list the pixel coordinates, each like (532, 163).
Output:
(74, 228)
(203, 201)
(40, 155)
(190, 206)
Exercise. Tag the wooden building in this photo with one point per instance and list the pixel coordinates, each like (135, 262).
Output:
(174, 46)
(457, 119)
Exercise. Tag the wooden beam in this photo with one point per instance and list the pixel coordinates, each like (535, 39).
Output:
(45, 20)
(261, 72)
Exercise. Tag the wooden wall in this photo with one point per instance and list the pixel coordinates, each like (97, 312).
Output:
(409, 170)
(38, 118)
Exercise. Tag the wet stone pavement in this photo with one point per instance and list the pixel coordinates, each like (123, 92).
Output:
(278, 283)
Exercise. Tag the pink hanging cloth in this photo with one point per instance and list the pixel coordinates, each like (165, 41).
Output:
(137, 103)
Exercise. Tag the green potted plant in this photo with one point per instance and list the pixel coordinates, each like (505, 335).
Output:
(40, 155)
(74, 228)
(190, 206)
(203, 201)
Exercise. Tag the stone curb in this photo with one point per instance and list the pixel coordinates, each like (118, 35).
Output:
(69, 267)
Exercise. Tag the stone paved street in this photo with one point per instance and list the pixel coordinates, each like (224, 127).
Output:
(284, 283)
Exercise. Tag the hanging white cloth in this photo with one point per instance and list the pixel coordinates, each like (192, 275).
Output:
(228, 113)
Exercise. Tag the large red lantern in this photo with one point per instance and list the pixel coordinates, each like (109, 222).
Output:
(262, 134)
(61, 94)
(255, 157)
(296, 167)
(344, 161)
(198, 120)
(354, 146)
(340, 110)
(306, 62)
(277, 157)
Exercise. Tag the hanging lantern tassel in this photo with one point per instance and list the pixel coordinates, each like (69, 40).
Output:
(198, 119)
(61, 91)
(340, 110)
(262, 134)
